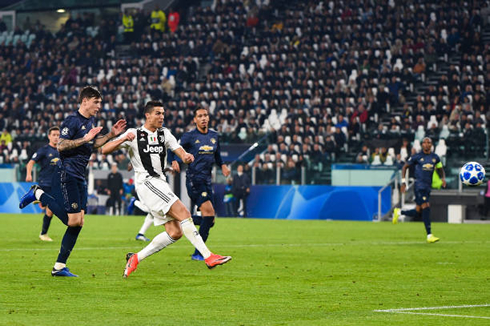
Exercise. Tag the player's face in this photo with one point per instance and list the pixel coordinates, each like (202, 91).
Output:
(154, 119)
(202, 119)
(427, 145)
(54, 137)
(92, 105)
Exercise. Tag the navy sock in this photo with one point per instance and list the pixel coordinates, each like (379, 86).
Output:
(68, 242)
(411, 213)
(197, 219)
(59, 211)
(206, 224)
(46, 223)
(426, 218)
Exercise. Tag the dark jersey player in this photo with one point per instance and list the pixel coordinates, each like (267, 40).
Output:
(47, 158)
(78, 138)
(424, 163)
(203, 143)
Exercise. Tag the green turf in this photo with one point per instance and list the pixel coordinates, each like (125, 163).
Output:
(282, 273)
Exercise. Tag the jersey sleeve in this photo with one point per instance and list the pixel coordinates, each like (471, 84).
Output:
(438, 161)
(412, 159)
(127, 143)
(185, 141)
(217, 155)
(37, 155)
(170, 141)
(68, 129)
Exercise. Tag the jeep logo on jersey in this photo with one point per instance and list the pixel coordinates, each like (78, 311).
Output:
(154, 149)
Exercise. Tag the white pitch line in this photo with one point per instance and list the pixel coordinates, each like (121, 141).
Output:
(440, 315)
(435, 308)
(410, 311)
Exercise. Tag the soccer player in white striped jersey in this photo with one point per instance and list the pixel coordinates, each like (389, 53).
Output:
(147, 147)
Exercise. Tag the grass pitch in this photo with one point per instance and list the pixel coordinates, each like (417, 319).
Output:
(282, 273)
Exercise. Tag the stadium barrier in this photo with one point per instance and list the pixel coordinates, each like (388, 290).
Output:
(311, 202)
(278, 202)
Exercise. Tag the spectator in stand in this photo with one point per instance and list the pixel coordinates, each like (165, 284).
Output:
(173, 20)
(6, 137)
(290, 174)
(363, 155)
(158, 20)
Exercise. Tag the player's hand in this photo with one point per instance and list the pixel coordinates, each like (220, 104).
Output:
(92, 133)
(403, 188)
(225, 170)
(188, 158)
(176, 166)
(118, 127)
(444, 183)
(28, 178)
(130, 166)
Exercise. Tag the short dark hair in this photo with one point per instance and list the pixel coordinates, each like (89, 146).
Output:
(53, 129)
(89, 92)
(151, 105)
(199, 107)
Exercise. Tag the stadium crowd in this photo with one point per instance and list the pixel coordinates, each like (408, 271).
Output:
(319, 79)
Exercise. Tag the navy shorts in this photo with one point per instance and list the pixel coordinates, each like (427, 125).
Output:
(74, 191)
(46, 189)
(200, 191)
(421, 196)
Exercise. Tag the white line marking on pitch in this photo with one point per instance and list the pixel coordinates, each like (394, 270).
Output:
(411, 311)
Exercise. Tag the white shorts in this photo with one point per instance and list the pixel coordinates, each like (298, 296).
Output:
(156, 194)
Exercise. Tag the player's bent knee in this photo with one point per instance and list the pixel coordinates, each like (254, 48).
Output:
(75, 220)
(174, 230)
(175, 234)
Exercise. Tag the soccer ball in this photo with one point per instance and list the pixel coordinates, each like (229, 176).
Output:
(472, 174)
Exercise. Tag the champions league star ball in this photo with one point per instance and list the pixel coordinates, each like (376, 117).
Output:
(472, 174)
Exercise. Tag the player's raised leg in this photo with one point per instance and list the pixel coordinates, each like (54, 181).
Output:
(182, 214)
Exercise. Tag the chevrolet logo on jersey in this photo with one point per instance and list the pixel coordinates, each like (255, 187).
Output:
(206, 148)
(53, 161)
(428, 167)
(154, 149)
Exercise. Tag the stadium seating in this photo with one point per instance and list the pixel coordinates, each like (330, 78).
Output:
(298, 72)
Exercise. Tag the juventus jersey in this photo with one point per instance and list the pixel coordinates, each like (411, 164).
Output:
(148, 151)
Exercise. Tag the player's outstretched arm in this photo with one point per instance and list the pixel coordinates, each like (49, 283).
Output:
(116, 129)
(114, 145)
(184, 156)
(66, 144)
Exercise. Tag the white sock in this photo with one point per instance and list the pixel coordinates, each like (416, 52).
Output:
(141, 206)
(161, 241)
(146, 224)
(59, 266)
(190, 232)
(429, 235)
(38, 193)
